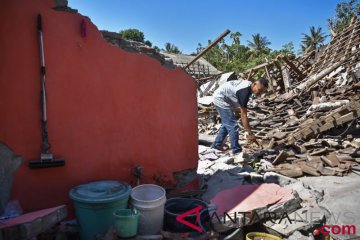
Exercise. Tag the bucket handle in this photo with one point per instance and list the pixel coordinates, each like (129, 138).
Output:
(209, 208)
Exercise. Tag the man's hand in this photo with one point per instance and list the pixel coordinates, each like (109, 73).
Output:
(245, 122)
(251, 138)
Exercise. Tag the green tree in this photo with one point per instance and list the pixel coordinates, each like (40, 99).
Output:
(288, 48)
(157, 49)
(171, 48)
(313, 40)
(236, 37)
(259, 44)
(214, 55)
(133, 34)
(199, 48)
(148, 43)
(345, 11)
(234, 56)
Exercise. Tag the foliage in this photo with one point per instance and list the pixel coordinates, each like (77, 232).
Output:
(313, 40)
(234, 56)
(287, 49)
(148, 43)
(157, 49)
(171, 48)
(236, 37)
(138, 36)
(133, 34)
(237, 57)
(259, 44)
(344, 12)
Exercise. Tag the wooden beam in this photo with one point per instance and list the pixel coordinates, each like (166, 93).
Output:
(286, 78)
(259, 66)
(208, 48)
(269, 78)
(293, 67)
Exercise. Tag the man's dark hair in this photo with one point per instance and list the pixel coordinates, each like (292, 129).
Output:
(264, 82)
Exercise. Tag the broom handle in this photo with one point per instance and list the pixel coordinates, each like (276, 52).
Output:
(45, 147)
(42, 68)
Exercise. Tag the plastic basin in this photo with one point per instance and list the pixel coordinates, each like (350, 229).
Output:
(95, 204)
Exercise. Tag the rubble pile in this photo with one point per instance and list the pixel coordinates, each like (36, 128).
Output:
(135, 47)
(309, 121)
(284, 71)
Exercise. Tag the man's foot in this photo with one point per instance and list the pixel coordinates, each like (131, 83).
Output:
(222, 148)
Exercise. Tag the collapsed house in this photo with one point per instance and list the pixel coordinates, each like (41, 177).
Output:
(310, 112)
(307, 126)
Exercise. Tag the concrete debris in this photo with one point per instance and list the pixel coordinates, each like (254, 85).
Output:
(298, 236)
(340, 203)
(253, 203)
(246, 198)
(62, 5)
(313, 204)
(233, 182)
(9, 163)
(326, 106)
(136, 47)
(30, 225)
(207, 100)
(304, 219)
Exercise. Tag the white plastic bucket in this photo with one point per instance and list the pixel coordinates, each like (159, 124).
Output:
(149, 199)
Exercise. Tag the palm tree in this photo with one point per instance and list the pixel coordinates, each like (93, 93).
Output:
(259, 43)
(313, 40)
(236, 37)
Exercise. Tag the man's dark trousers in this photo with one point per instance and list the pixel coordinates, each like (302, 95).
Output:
(229, 125)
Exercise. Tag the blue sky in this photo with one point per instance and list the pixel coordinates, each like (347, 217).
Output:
(189, 22)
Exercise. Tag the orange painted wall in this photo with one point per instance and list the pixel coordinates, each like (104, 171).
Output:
(108, 109)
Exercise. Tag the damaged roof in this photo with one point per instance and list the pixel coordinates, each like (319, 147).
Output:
(200, 66)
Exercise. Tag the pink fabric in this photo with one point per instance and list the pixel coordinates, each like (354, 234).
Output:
(28, 217)
(245, 198)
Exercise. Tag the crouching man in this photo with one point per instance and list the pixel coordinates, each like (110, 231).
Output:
(228, 97)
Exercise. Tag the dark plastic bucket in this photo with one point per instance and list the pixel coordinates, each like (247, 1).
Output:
(177, 206)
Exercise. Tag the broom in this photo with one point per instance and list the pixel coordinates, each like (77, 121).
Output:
(46, 157)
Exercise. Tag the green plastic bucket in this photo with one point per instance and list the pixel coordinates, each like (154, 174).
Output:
(126, 222)
(95, 204)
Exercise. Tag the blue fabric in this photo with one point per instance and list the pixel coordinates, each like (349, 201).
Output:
(229, 125)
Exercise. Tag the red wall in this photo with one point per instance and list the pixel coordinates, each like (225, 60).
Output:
(108, 109)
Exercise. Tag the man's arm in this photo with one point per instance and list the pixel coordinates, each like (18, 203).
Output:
(245, 122)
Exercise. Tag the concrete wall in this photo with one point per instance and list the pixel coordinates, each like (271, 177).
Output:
(108, 109)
